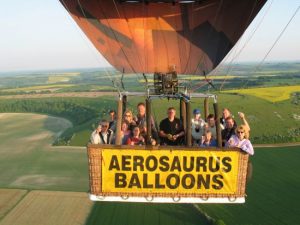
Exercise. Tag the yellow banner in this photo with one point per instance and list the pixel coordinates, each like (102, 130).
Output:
(170, 172)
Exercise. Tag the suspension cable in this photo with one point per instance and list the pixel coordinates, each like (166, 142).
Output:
(230, 65)
(273, 45)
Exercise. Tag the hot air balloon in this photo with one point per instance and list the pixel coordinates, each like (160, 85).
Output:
(165, 37)
(147, 36)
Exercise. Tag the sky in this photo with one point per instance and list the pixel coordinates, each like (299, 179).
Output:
(40, 35)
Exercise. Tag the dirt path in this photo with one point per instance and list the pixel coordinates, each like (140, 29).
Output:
(66, 94)
(277, 145)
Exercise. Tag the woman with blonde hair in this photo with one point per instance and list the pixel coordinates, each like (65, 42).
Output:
(128, 118)
(241, 140)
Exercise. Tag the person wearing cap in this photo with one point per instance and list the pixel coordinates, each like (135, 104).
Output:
(198, 127)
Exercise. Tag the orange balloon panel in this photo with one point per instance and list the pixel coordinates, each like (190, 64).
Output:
(193, 38)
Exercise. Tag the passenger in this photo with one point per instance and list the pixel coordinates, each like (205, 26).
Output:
(102, 135)
(229, 130)
(171, 129)
(128, 117)
(95, 137)
(198, 127)
(211, 125)
(112, 121)
(208, 140)
(136, 138)
(125, 132)
(244, 121)
(241, 140)
(154, 140)
(141, 116)
(225, 114)
(142, 123)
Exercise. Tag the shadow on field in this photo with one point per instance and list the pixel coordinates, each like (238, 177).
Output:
(113, 213)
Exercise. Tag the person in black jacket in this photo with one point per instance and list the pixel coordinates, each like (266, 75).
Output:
(171, 129)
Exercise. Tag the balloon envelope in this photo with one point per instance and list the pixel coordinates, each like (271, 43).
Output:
(190, 38)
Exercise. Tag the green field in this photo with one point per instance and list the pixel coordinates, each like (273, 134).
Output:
(28, 161)
(273, 193)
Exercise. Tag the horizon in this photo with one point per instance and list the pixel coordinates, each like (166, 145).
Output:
(27, 44)
(105, 68)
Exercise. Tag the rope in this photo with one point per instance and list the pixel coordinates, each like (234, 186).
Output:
(273, 45)
(230, 66)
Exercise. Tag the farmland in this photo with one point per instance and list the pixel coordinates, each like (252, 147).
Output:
(45, 184)
(39, 166)
(272, 94)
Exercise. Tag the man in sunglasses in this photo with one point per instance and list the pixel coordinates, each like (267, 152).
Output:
(102, 135)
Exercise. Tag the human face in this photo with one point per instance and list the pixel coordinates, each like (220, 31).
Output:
(240, 134)
(104, 127)
(226, 113)
(171, 113)
(128, 117)
(229, 123)
(211, 122)
(197, 116)
(112, 115)
(124, 127)
(208, 136)
(136, 132)
(141, 110)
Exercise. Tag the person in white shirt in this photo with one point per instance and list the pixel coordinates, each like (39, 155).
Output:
(102, 135)
(198, 127)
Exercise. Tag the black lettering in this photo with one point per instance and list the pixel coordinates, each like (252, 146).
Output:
(164, 163)
(138, 161)
(218, 180)
(201, 162)
(154, 163)
(176, 178)
(120, 180)
(176, 164)
(226, 161)
(214, 164)
(126, 162)
(201, 181)
(185, 166)
(134, 181)
(145, 181)
(158, 185)
(185, 183)
(114, 163)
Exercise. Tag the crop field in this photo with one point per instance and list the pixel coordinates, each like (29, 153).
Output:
(61, 77)
(272, 94)
(48, 208)
(8, 199)
(39, 88)
(28, 161)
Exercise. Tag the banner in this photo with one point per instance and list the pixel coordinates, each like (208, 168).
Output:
(162, 172)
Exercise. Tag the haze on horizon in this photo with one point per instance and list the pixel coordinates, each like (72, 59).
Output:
(41, 35)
